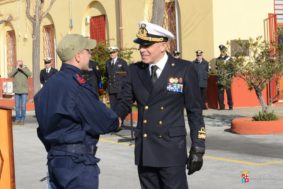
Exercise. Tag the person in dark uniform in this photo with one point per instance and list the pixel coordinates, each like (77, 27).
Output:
(116, 70)
(176, 54)
(48, 71)
(202, 69)
(163, 86)
(71, 118)
(225, 74)
(93, 76)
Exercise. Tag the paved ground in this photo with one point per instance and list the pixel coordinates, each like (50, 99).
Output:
(226, 157)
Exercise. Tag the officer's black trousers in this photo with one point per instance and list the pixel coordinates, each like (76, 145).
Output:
(113, 100)
(64, 173)
(203, 91)
(221, 89)
(163, 178)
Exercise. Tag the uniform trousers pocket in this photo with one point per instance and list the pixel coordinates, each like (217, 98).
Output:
(67, 174)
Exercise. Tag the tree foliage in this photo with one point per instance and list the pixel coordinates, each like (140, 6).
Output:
(259, 67)
(225, 71)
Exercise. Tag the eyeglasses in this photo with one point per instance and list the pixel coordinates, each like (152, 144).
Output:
(89, 51)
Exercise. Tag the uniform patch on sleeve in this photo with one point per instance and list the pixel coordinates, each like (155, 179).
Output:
(80, 79)
(202, 133)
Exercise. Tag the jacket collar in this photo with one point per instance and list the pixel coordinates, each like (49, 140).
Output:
(71, 68)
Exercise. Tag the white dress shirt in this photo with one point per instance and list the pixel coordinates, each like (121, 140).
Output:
(113, 61)
(160, 64)
(48, 70)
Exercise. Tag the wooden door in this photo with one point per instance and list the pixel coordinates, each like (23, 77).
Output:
(98, 28)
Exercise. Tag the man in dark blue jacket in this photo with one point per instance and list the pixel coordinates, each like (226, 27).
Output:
(48, 71)
(116, 71)
(202, 70)
(71, 118)
(163, 87)
(93, 76)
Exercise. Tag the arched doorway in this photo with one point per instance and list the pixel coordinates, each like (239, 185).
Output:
(48, 38)
(96, 22)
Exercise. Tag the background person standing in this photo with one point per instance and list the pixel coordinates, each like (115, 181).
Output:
(93, 76)
(116, 71)
(202, 70)
(225, 73)
(20, 73)
(48, 71)
(176, 54)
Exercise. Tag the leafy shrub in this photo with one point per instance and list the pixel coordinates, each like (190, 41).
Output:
(265, 116)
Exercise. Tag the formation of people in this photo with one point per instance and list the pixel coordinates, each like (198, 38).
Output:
(71, 116)
(224, 74)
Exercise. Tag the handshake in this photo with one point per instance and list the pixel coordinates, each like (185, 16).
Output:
(195, 160)
(120, 125)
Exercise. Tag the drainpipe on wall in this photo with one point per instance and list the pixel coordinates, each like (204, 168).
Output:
(71, 24)
(177, 25)
(120, 24)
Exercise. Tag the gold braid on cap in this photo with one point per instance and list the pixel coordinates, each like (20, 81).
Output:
(143, 34)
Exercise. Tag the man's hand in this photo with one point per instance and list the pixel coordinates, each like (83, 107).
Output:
(195, 160)
(120, 125)
(120, 122)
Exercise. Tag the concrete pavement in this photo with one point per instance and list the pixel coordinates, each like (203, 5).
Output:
(227, 156)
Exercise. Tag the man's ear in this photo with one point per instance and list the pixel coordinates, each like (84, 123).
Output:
(164, 46)
(78, 57)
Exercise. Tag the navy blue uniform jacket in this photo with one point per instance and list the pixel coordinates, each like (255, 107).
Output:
(45, 76)
(93, 76)
(68, 111)
(160, 136)
(202, 70)
(115, 75)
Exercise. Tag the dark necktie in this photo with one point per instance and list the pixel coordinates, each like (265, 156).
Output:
(154, 68)
(112, 65)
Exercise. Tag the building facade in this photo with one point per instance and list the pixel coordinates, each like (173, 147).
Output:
(200, 25)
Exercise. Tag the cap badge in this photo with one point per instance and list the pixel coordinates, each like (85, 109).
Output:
(143, 34)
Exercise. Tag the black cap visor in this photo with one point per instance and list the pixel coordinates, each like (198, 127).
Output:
(143, 42)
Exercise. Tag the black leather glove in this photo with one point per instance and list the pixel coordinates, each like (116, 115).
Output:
(195, 161)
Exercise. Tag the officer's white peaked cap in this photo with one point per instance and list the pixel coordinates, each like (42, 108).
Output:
(47, 60)
(113, 49)
(152, 33)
